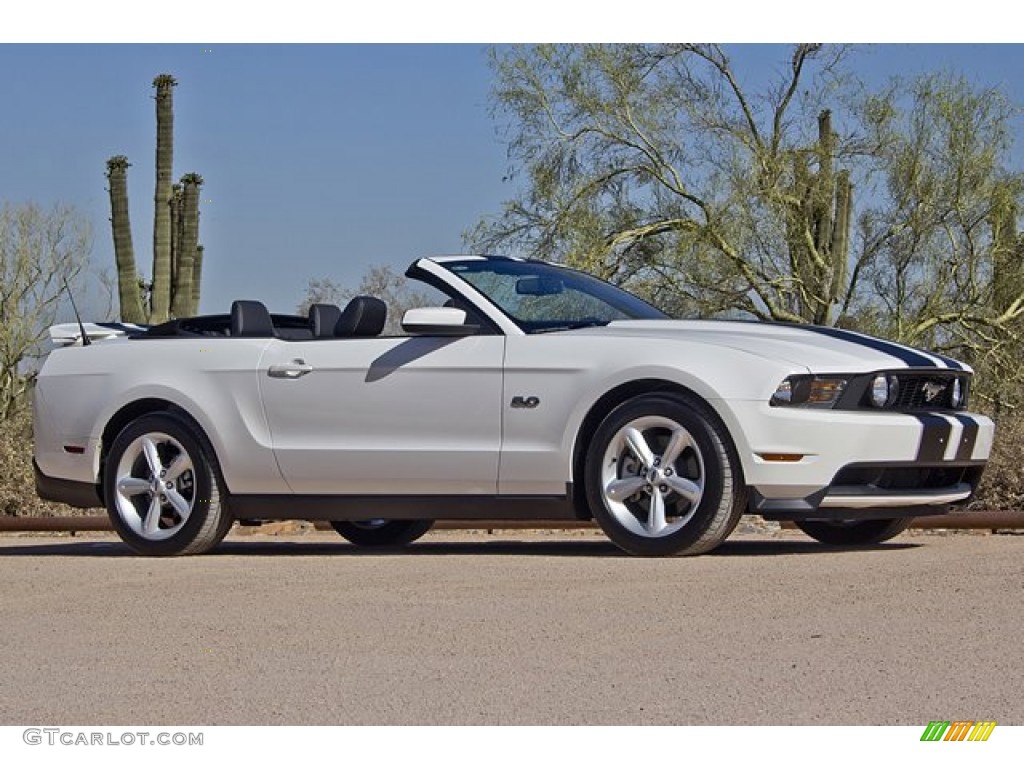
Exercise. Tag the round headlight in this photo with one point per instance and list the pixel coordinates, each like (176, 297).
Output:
(784, 394)
(957, 394)
(883, 390)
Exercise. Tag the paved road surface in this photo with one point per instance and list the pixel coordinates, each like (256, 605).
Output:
(516, 628)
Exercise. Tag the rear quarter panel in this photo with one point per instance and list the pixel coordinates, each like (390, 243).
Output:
(80, 389)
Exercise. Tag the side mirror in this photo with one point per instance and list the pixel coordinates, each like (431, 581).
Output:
(437, 321)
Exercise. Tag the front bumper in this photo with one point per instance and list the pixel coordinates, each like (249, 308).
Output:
(859, 464)
(872, 490)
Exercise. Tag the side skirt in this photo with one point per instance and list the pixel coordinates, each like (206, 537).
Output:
(288, 507)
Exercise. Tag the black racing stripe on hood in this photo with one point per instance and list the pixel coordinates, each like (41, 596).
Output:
(910, 357)
(968, 438)
(934, 437)
(949, 361)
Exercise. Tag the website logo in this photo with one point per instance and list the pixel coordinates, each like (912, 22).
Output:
(958, 730)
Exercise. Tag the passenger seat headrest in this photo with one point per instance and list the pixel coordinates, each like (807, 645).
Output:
(323, 319)
(363, 316)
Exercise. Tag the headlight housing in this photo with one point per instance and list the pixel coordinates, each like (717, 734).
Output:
(809, 391)
(904, 391)
(884, 390)
(958, 394)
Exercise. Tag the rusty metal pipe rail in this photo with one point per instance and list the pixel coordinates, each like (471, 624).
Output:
(957, 520)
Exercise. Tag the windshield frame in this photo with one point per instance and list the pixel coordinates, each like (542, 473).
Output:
(615, 298)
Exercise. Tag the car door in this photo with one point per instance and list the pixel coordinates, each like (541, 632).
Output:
(404, 416)
(548, 377)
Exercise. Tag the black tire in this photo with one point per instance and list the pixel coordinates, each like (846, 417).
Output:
(197, 489)
(850, 533)
(706, 469)
(382, 533)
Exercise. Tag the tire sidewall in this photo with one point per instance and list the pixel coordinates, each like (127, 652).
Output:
(393, 533)
(714, 453)
(859, 533)
(204, 479)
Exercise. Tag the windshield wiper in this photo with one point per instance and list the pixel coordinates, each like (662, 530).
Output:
(572, 326)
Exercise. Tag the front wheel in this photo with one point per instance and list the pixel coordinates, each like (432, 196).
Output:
(854, 532)
(661, 477)
(382, 533)
(163, 489)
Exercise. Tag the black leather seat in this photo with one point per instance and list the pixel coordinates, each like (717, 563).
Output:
(251, 319)
(323, 319)
(363, 316)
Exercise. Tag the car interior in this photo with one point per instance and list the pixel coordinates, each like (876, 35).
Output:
(362, 317)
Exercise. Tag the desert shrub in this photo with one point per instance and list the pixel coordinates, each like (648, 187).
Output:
(17, 484)
(1002, 487)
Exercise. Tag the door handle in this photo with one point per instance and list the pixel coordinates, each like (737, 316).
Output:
(292, 370)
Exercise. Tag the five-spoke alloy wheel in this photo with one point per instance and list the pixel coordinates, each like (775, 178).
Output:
(661, 477)
(162, 488)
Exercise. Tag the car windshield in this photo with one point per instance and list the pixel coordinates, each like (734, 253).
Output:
(541, 297)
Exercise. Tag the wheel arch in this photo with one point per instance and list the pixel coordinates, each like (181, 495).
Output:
(612, 399)
(134, 410)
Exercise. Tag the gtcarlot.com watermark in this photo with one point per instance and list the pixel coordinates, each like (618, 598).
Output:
(70, 738)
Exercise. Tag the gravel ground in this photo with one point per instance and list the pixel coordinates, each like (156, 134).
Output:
(512, 627)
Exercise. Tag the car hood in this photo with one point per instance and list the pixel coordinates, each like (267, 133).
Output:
(820, 349)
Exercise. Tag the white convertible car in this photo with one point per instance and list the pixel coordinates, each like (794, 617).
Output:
(535, 393)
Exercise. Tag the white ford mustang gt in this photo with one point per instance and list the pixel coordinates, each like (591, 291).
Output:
(535, 393)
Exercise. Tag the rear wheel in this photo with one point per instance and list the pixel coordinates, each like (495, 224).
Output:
(382, 533)
(163, 488)
(661, 477)
(854, 532)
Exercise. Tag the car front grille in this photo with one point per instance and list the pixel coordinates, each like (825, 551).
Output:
(900, 477)
(918, 390)
(923, 392)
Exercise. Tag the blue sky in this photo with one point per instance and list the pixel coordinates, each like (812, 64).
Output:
(319, 160)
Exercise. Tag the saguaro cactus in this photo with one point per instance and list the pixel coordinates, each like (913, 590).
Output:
(177, 257)
(197, 273)
(818, 227)
(188, 242)
(124, 254)
(177, 196)
(160, 302)
(1007, 250)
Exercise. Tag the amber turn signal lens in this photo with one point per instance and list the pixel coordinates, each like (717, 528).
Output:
(781, 456)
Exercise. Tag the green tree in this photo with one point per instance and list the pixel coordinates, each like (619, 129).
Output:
(379, 281)
(806, 199)
(40, 249)
(948, 272)
(652, 166)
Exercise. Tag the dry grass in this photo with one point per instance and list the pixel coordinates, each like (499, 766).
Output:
(17, 483)
(1002, 487)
